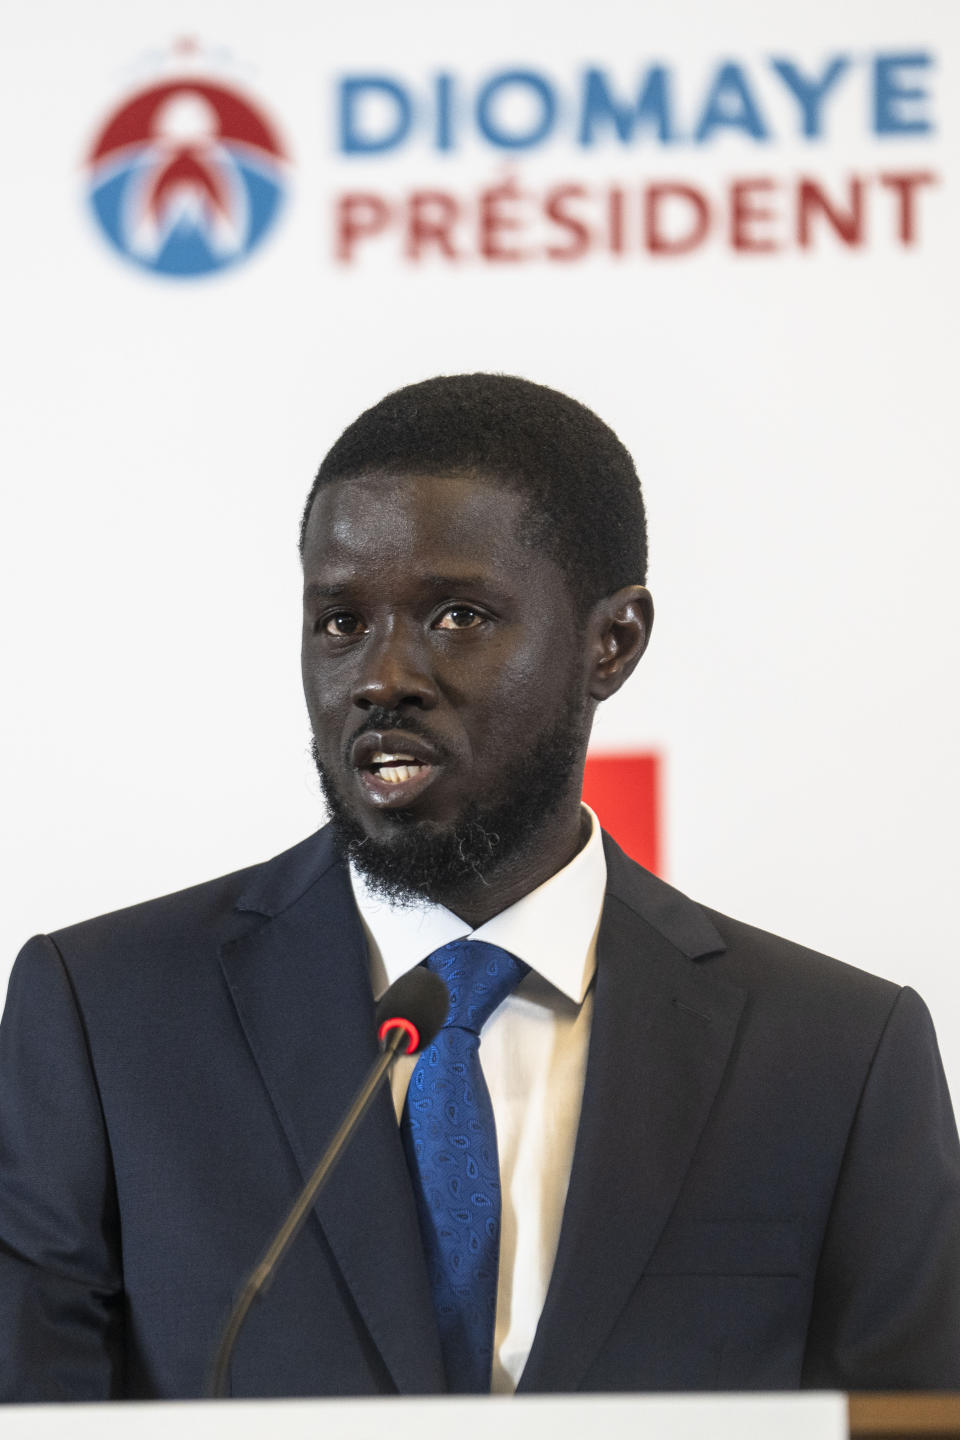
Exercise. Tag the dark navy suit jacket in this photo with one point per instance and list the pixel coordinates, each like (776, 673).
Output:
(765, 1191)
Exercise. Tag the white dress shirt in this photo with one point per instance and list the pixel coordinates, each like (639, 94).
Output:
(534, 1054)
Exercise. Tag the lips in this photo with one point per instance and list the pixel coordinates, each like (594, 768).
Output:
(393, 767)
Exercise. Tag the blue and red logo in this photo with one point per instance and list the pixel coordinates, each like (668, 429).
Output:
(186, 178)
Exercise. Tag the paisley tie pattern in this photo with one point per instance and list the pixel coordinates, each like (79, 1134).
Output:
(451, 1143)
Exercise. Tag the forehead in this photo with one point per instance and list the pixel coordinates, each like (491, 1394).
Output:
(417, 520)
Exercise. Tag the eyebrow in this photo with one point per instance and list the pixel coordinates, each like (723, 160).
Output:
(456, 582)
(314, 590)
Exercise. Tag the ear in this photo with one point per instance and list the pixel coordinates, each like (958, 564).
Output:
(619, 629)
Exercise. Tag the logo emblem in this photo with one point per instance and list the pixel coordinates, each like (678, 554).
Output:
(186, 178)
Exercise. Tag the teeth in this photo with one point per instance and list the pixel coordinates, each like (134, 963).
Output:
(382, 758)
(394, 774)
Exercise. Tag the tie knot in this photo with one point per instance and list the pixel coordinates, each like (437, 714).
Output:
(478, 976)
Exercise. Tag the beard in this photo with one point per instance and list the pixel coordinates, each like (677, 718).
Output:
(427, 860)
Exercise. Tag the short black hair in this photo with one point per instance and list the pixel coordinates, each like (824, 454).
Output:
(585, 504)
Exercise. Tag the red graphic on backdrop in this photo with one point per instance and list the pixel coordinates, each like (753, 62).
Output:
(624, 792)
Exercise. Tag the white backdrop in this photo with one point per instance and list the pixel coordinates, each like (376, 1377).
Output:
(791, 410)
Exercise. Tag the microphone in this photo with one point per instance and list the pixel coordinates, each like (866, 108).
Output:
(416, 1005)
(408, 1016)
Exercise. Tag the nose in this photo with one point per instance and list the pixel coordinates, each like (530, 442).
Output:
(396, 670)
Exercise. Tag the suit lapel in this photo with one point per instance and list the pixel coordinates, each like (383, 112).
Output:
(661, 1035)
(301, 987)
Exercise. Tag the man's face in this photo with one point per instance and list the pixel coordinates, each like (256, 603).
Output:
(445, 677)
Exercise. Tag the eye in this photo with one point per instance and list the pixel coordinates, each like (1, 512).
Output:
(344, 623)
(459, 617)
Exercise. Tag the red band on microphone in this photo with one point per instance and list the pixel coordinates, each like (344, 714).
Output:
(396, 1022)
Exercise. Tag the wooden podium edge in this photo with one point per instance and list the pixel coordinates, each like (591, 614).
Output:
(898, 1416)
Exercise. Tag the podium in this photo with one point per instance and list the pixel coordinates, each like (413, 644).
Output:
(805, 1416)
(902, 1417)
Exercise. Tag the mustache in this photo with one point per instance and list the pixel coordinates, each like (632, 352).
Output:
(378, 718)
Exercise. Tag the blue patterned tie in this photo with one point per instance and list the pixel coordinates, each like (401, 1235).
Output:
(451, 1143)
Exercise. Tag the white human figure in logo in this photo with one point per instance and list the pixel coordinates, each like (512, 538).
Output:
(187, 179)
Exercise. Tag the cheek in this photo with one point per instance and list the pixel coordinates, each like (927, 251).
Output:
(523, 691)
(548, 664)
(326, 690)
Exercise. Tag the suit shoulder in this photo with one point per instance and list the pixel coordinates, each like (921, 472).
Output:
(762, 956)
(774, 971)
(214, 908)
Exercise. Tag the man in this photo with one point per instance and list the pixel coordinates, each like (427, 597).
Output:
(692, 1155)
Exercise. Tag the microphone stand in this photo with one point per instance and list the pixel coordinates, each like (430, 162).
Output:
(263, 1273)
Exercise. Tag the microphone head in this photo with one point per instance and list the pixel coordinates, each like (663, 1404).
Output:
(417, 1003)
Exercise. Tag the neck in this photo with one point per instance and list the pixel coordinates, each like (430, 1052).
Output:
(523, 871)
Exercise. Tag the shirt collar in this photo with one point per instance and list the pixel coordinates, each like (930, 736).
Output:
(553, 929)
